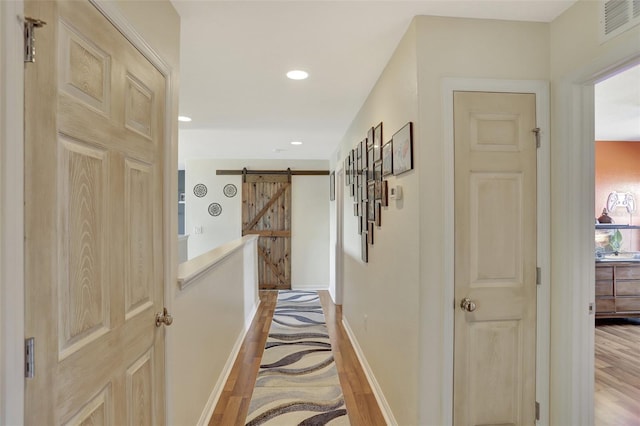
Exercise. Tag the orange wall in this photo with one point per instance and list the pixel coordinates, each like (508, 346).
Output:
(617, 169)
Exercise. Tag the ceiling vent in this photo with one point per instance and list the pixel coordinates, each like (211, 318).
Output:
(617, 16)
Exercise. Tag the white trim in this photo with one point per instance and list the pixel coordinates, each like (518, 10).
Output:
(541, 90)
(339, 290)
(210, 406)
(11, 216)
(371, 378)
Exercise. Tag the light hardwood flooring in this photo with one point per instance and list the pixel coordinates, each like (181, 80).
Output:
(234, 401)
(617, 369)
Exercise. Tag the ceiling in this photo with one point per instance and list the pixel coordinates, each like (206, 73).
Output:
(234, 56)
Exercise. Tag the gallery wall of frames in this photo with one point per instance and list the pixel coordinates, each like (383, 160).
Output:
(366, 168)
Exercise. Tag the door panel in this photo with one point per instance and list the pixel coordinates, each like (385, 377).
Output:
(495, 258)
(266, 211)
(94, 141)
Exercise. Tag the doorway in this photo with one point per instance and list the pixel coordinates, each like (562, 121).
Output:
(617, 271)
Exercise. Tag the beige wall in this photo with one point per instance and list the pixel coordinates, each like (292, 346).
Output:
(386, 290)
(463, 48)
(401, 289)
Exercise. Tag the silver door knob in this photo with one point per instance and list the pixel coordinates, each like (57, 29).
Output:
(163, 317)
(467, 305)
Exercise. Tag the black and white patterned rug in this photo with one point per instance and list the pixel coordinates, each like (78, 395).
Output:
(297, 382)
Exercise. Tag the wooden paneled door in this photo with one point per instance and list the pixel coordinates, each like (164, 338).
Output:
(94, 144)
(495, 259)
(266, 211)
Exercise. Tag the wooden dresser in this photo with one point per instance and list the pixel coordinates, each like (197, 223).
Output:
(617, 289)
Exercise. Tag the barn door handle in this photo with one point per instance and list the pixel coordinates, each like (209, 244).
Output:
(164, 317)
(467, 305)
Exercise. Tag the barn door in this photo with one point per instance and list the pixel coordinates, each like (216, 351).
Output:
(266, 211)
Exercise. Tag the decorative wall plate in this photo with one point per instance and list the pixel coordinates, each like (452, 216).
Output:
(200, 190)
(230, 190)
(215, 209)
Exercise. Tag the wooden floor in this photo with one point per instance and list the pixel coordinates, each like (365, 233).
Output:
(617, 368)
(234, 401)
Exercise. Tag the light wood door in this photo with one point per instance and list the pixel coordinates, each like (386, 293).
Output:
(495, 258)
(94, 112)
(266, 211)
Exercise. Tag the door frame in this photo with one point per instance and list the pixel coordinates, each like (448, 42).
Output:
(572, 345)
(541, 90)
(12, 283)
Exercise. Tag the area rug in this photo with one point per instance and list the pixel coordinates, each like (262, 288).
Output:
(297, 382)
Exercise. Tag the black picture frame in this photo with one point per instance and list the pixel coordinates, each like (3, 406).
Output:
(371, 194)
(377, 171)
(387, 158)
(370, 233)
(403, 149)
(384, 200)
(332, 186)
(377, 142)
(364, 247)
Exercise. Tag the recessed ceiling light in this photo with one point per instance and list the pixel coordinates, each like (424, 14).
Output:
(296, 143)
(184, 118)
(297, 75)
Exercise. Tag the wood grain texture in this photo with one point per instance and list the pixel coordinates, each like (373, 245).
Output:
(266, 211)
(93, 223)
(233, 404)
(617, 372)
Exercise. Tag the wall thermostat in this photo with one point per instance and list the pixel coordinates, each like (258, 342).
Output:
(395, 192)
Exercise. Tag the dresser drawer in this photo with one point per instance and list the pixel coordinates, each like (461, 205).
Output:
(604, 288)
(628, 304)
(626, 288)
(605, 305)
(627, 273)
(604, 273)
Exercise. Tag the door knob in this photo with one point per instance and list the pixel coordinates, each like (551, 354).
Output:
(467, 305)
(163, 317)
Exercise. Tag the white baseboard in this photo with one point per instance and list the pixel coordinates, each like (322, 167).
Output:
(222, 379)
(309, 287)
(375, 387)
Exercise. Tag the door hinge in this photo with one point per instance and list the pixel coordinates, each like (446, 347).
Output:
(591, 308)
(536, 132)
(538, 276)
(29, 358)
(537, 411)
(30, 24)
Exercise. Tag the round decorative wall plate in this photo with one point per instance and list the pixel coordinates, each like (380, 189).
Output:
(215, 209)
(230, 190)
(200, 190)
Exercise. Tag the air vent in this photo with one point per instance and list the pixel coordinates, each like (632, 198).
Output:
(617, 16)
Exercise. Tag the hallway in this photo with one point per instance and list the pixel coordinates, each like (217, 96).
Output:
(234, 401)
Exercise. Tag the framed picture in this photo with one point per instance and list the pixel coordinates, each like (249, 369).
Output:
(384, 199)
(377, 213)
(370, 138)
(377, 142)
(356, 209)
(370, 163)
(352, 190)
(363, 187)
(377, 171)
(363, 215)
(403, 149)
(332, 186)
(370, 233)
(362, 153)
(387, 158)
(360, 226)
(378, 191)
(364, 247)
(371, 213)
(347, 168)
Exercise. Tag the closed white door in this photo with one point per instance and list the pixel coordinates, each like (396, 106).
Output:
(495, 259)
(94, 112)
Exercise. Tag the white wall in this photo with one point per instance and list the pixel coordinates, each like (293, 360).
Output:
(310, 232)
(577, 61)
(309, 211)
